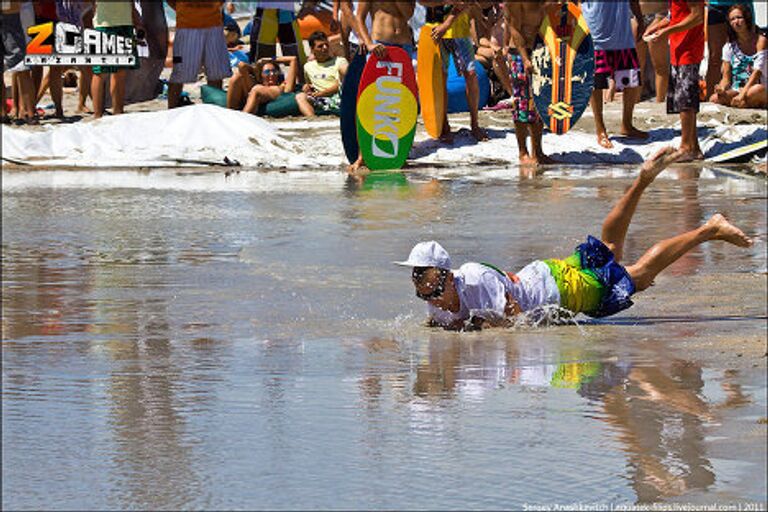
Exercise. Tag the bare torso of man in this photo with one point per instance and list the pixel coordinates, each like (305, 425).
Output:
(390, 21)
(526, 18)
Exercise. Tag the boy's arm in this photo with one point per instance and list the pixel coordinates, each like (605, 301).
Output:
(513, 37)
(634, 5)
(694, 18)
(348, 13)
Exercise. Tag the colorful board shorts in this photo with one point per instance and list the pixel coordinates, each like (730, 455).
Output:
(14, 43)
(523, 106)
(463, 54)
(195, 48)
(591, 282)
(327, 105)
(124, 31)
(683, 92)
(622, 65)
(271, 26)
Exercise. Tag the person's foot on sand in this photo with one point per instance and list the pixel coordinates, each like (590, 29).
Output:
(527, 159)
(690, 155)
(479, 134)
(604, 141)
(727, 232)
(634, 133)
(357, 168)
(658, 162)
(446, 137)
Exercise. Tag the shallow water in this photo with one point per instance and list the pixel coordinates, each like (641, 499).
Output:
(189, 340)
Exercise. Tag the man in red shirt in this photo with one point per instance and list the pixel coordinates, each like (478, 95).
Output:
(685, 28)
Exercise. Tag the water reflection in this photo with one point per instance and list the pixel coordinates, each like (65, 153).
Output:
(658, 412)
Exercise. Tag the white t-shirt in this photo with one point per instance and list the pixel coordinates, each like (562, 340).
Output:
(536, 288)
(483, 292)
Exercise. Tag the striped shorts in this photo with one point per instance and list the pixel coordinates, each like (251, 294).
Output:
(269, 27)
(463, 54)
(194, 48)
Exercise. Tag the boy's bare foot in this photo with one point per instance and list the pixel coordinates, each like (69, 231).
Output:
(604, 141)
(528, 160)
(357, 168)
(446, 137)
(724, 230)
(479, 134)
(658, 162)
(634, 133)
(690, 156)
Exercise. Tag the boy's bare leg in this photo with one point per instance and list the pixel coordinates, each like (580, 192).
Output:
(596, 102)
(97, 93)
(84, 88)
(617, 221)
(117, 91)
(689, 140)
(666, 252)
(537, 131)
(521, 133)
(472, 91)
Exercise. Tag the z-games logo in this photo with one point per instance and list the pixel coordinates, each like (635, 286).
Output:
(55, 44)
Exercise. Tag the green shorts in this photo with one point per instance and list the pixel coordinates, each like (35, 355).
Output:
(285, 105)
(125, 31)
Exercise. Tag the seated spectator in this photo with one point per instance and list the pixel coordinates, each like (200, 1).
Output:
(323, 76)
(489, 40)
(743, 83)
(199, 42)
(262, 89)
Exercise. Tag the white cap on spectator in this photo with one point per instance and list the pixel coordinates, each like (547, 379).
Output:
(427, 254)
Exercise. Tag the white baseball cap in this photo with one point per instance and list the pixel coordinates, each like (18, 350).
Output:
(427, 254)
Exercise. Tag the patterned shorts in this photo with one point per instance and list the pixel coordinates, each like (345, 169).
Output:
(463, 54)
(683, 92)
(622, 65)
(523, 107)
(328, 105)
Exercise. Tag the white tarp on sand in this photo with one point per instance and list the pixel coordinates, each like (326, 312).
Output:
(205, 133)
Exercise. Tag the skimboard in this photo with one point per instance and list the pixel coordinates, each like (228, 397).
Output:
(430, 78)
(740, 154)
(563, 67)
(387, 110)
(348, 107)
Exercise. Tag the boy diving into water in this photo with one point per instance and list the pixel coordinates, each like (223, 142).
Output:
(590, 281)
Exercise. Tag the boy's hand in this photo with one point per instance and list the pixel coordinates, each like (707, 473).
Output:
(439, 31)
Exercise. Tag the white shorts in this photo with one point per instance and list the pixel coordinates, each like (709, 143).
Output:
(194, 48)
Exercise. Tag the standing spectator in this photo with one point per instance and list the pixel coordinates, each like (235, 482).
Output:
(717, 36)
(80, 14)
(685, 29)
(14, 51)
(199, 42)
(114, 17)
(744, 63)
(489, 41)
(453, 35)
(273, 21)
(350, 27)
(45, 12)
(615, 57)
(654, 10)
(323, 76)
(523, 20)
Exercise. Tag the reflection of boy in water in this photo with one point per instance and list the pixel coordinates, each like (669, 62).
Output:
(523, 22)
(590, 281)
